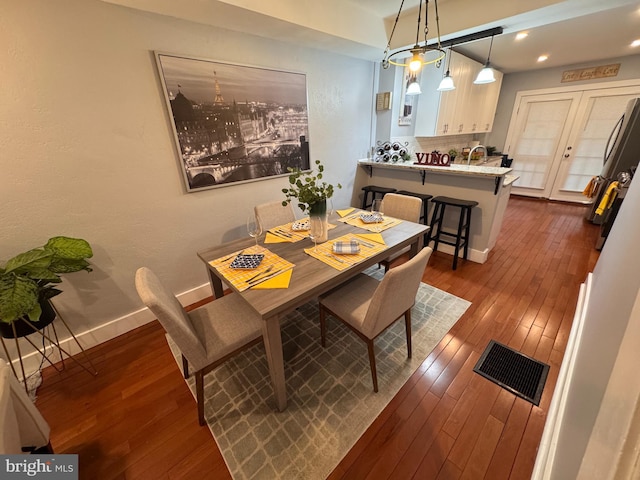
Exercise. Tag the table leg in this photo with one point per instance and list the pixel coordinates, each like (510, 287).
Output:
(273, 347)
(216, 284)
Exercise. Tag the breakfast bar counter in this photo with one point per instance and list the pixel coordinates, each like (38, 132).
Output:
(490, 186)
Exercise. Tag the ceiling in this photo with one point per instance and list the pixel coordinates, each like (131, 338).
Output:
(570, 32)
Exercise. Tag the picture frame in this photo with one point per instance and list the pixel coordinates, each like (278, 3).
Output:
(407, 102)
(234, 123)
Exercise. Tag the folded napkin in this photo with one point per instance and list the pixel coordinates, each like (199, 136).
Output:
(374, 237)
(345, 212)
(279, 281)
(350, 247)
(271, 238)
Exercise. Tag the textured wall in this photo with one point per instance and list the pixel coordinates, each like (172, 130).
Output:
(87, 148)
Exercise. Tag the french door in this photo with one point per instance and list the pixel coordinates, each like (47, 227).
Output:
(558, 140)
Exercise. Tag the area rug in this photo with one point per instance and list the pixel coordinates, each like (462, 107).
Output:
(330, 396)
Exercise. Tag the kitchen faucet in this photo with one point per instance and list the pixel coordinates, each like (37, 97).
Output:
(474, 149)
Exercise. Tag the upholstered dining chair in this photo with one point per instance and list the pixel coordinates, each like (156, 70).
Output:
(273, 214)
(206, 336)
(403, 207)
(24, 429)
(369, 307)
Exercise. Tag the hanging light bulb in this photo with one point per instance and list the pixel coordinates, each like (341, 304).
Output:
(446, 83)
(416, 61)
(486, 74)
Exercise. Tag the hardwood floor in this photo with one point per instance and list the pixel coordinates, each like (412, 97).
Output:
(137, 419)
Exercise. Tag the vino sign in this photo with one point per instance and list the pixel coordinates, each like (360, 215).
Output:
(433, 159)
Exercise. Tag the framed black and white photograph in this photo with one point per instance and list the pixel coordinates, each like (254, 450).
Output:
(234, 123)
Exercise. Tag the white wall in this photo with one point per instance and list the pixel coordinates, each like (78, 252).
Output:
(87, 148)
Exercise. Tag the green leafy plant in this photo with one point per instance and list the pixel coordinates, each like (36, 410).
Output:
(453, 153)
(31, 277)
(307, 187)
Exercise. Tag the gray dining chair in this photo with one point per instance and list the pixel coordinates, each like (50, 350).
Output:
(206, 336)
(368, 306)
(273, 214)
(24, 429)
(403, 207)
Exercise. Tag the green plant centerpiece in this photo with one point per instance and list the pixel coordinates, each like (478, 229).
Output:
(311, 192)
(29, 280)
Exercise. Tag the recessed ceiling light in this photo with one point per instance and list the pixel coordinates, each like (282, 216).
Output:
(542, 58)
(521, 35)
(635, 43)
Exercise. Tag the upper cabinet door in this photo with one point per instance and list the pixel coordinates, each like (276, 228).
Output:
(469, 108)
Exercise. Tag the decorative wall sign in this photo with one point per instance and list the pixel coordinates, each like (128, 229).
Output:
(590, 73)
(234, 123)
(383, 101)
(433, 159)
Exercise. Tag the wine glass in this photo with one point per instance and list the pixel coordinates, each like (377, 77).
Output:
(376, 210)
(254, 227)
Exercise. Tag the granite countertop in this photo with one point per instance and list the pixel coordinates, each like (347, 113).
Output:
(454, 169)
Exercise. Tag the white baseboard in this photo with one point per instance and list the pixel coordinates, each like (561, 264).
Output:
(477, 256)
(32, 359)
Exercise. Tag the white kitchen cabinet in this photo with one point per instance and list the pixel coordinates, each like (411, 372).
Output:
(469, 108)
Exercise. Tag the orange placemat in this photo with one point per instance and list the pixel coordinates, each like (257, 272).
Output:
(286, 233)
(271, 266)
(324, 252)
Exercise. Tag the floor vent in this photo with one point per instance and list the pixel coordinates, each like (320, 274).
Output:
(518, 373)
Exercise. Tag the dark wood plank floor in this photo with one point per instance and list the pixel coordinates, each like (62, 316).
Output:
(137, 419)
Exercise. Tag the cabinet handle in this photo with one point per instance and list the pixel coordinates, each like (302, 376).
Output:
(566, 155)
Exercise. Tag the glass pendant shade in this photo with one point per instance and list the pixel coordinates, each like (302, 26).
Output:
(485, 75)
(446, 83)
(416, 62)
(413, 88)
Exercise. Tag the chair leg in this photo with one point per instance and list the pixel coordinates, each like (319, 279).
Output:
(372, 363)
(407, 323)
(323, 326)
(185, 367)
(200, 396)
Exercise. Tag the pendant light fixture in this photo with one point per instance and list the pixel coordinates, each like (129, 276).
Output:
(486, 74)
(446, 83)
(413, 87)
(421, 53)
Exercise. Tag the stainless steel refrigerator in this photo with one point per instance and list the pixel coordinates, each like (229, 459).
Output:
(621, 154)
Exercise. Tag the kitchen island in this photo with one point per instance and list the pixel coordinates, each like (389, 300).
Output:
(490, 186)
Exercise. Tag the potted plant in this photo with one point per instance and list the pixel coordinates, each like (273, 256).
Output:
(29, 280)
(312, 195)
(453, 153)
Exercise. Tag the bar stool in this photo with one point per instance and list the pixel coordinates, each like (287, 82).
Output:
(461, 237)
(374, 190)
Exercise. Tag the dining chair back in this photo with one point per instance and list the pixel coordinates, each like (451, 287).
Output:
(206, 336)
(403, 207)
(24, 429)
(368, 306)
(273, 214)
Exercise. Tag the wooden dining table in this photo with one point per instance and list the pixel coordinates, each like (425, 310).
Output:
(309, 279)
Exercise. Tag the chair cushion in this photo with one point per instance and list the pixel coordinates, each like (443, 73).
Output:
(351, 301)
(223, 326)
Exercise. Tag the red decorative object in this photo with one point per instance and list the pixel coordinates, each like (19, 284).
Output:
(433, 159)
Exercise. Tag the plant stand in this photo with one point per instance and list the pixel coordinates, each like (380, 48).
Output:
(26, 328)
